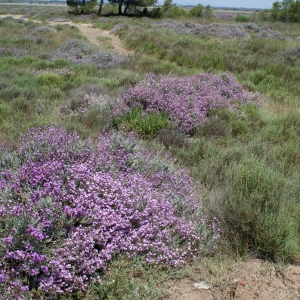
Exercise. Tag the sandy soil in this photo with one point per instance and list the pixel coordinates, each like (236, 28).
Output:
(254, 279)
(89, 32)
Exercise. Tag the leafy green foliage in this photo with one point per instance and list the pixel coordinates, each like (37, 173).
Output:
(196, 11)
(82, 6)
(242, 18)
(146, 125)
(131, 4)
(286, 11)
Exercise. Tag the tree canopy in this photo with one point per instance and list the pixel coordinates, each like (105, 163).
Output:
(131, 4)
(287, 10)
(82, 6)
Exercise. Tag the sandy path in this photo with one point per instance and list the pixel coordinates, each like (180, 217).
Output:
(252, 280)
(89, 32)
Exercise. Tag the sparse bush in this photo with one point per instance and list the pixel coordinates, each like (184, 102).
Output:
(5, 112)
(78, 51)
(255, 209)
(215, 127)
(175, 12)
(172, 137)
(147, 125)
(49, 79)
(241, 18)
(196, 11)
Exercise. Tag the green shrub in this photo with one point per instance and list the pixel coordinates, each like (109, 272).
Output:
(49, 79)
(242, 18)
(24, 105)
(172, 137)
(215, 127)
(196, 11)
(257, 208)
(175, 12)
(5, 112)
(146, 125)
(223, 122)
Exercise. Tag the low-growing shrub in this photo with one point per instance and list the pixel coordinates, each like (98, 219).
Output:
(260, 210)
(49, 79)
(172, 137)
(242, 18)
(69, 206)
(175, 12)
(5, 112)
(187, 100)
(147, 125)
(215, 127)
(78, 51)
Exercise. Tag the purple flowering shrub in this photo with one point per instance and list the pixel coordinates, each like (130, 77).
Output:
(78, 51)
(225, 16)
(186, 100)
(219, 29)
(69, 206)
(215, 29)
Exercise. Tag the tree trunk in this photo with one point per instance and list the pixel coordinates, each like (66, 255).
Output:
(83, 3)
(120, 9)
(126, 7)
(100, 7)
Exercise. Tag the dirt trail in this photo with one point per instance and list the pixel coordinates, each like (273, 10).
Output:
(253, 279)
(89, 32)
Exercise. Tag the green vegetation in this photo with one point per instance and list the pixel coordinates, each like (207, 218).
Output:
(81, 7)
(245, 161)
(196, 11)
(242, 18)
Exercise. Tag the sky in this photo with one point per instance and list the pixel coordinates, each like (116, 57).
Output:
(227, 3)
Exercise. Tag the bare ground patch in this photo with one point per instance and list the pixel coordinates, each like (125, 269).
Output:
(254, 279)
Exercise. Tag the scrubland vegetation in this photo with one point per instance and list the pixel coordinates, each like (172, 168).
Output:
(117, 172)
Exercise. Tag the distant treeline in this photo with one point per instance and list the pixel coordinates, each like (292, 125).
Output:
(286, 11)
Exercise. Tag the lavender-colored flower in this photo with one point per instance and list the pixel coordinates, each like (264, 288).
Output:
(186, 100)
(78, 51)
(71, 205)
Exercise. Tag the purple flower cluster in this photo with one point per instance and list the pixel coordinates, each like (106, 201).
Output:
(215, 29)
(68, 206)
(225, 16)
(186, 100)
(221, 30)
(78, 51)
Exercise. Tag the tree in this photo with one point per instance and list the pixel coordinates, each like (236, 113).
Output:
(100, 7)
(287, 10)
(131, 3)
(208, 12)
(82, 6)
(294, 11)
(167, 5)
(276, 11)
(196, 11)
